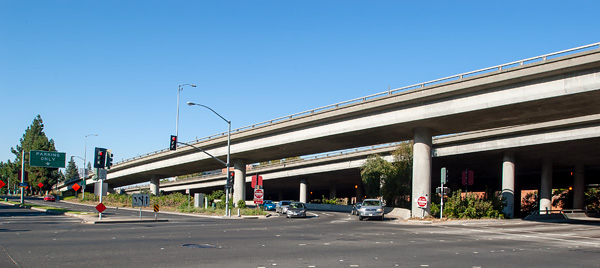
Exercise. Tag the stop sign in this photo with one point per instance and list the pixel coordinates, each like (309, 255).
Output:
(258, 196)
(422, 201)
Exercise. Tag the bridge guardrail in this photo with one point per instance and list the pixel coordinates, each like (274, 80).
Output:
(403, 90)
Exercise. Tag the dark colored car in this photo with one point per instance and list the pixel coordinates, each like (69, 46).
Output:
(296, 209)
(49, 198)
(355, 208)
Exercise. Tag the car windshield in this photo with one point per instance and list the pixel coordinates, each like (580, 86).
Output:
(371, 203)
(296, 205)
(268, 202)
(285, 202)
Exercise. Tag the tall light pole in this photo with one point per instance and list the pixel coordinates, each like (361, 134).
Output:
(84, 167)
(177, 120)
(228, 154)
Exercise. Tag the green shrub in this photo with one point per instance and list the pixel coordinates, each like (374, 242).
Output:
(472, 207)
(333, 201)
(241, 204)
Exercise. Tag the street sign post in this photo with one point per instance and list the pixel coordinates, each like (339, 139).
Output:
(257, 180)
(422, 203)
(258, 196)
(156, 209)
(47, 159)
(140, 200)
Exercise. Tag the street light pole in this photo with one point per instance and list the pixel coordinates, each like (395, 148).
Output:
(177, 120)
(228, 164)
(84, 167)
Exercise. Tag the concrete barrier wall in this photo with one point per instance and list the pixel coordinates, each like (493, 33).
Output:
(400, 213)
(328, 207)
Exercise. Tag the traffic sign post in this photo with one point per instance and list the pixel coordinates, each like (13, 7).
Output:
(422, 203)
(258, 196)
(156, 209)
(468, 177)
(257, 180)
(140, 200)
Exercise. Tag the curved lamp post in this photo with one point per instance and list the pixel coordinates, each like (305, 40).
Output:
(177, 120)
(227, 187)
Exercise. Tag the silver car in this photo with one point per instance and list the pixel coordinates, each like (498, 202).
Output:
(282, 206)
(296, 209)
(371, 208)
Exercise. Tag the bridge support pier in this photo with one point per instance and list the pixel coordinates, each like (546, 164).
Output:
(239, 185)
(545, 193)
(508, 184)
(333, 191)
(579, 187)
(421, 185)
(154, 185)
(303, 190)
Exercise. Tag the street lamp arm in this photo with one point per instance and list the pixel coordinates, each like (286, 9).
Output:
(181, 86)
(77, 157)
(191, 103)
(200, 149)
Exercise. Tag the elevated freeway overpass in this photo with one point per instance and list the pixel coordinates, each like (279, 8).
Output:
(336, 174)
(542, 89)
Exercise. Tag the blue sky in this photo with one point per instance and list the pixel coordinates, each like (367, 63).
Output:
(113, 67)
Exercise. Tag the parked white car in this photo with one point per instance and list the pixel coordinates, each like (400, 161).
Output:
(371, 208)
(282, 206)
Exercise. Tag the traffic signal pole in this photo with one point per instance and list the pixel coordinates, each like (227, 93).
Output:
(22, 175)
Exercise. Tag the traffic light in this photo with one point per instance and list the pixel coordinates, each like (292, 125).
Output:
(173, 145)
(231, 177)
(99, 157)
(109, 159)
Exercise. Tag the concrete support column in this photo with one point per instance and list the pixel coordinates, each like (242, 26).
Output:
(303, 190)
(359, 193)
(154, 185)
(508, 184)
(333, 191)
(421, 171)
(239, 185)
(579, 187)
(545, 193)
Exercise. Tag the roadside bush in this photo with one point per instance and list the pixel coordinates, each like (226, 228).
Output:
(241, 204)
(333, 201)
(472, 207)
(592, 198)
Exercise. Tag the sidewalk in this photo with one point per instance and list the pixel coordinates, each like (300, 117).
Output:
(93, 218)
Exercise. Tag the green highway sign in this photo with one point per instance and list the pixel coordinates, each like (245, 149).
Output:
(47, 159)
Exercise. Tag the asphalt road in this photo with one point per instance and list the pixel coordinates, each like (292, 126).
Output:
(324, 239)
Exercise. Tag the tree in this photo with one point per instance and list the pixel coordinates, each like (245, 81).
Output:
(8, 172)
(35, 139)
(392, 180)
(373, 172)
(89, 169)
(72, 172)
